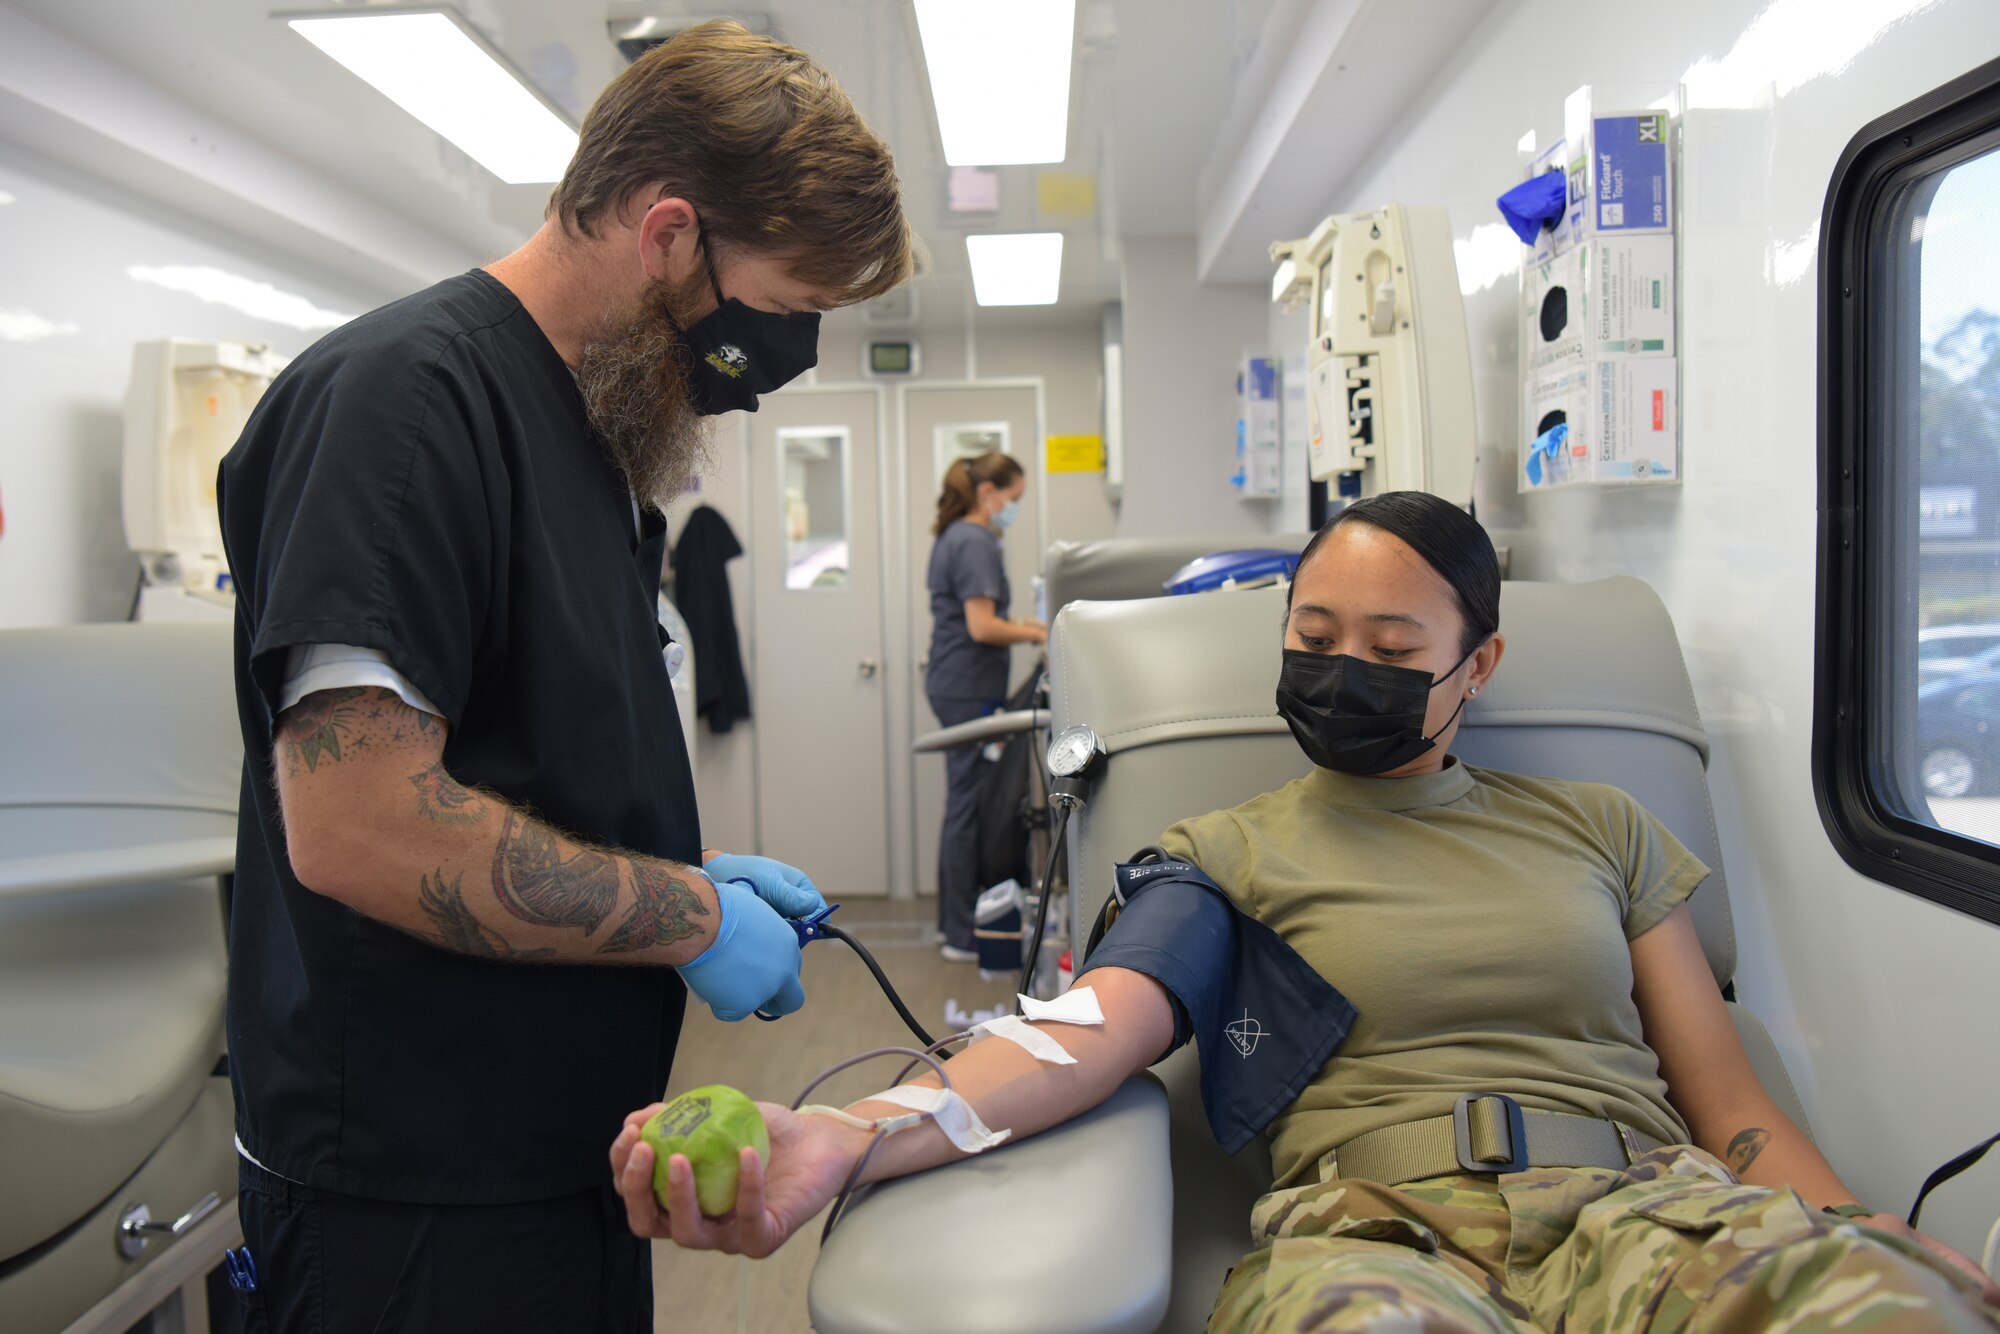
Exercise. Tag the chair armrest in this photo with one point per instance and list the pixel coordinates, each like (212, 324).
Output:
(992, 727)
(111, 868)
(58, 848)
(1070, 1230)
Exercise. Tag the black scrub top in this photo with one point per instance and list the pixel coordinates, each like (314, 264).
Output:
(424, 481)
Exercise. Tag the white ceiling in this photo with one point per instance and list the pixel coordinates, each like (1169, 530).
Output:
(1153, 79)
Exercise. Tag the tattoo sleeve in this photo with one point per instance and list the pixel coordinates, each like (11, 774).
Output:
(312, 729)
(1745, 1146)
(661, 913)
(536, 883)
(458, 930)
(442, 799)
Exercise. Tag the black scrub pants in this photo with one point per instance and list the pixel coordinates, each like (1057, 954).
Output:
(334, 1264)
(958, 845)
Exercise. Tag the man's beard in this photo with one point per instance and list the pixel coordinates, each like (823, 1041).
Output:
(634, 378)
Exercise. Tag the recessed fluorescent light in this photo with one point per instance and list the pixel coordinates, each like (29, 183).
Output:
(436, 68)
(1019, 270)
(1000, 77)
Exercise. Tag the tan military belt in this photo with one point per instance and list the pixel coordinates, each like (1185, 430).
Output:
(1488, 1132)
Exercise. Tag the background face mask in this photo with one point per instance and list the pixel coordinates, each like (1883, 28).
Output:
(1356, 716)
(1005, 518)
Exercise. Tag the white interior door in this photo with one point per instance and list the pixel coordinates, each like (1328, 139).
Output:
(941, 423)
(816, 533)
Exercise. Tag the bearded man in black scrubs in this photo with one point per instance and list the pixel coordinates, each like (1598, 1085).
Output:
(470, 879)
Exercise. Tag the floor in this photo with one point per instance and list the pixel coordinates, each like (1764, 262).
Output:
(845, 1012)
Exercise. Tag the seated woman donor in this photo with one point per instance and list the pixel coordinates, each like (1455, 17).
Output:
(1499, 934)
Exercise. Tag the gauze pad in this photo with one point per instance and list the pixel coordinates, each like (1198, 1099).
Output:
(1078, 1005)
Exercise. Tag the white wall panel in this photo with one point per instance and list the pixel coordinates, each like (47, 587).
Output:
(70, 311)
(1183, 344)
(1882, 1003)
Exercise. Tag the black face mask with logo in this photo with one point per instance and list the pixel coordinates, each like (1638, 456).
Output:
(1357, 716)
(737, 353)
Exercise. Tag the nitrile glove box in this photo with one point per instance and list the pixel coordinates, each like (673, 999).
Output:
(1623, 415)
(1621, 168)
(1609, 296)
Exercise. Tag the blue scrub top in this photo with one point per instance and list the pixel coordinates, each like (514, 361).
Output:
(966, 562)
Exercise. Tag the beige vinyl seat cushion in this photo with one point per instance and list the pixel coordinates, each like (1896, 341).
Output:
(118, 791)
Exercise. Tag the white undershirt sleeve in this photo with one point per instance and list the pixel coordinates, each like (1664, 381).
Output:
(310, 667)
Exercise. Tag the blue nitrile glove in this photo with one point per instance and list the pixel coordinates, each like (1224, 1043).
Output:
(786, 888)
(753, 962)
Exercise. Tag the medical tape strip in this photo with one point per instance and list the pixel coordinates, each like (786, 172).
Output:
(953, 1114)
(1023, 1034)
(887, 1125)
(1078, 1005)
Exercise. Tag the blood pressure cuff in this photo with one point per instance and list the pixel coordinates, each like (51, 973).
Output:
(1264, 1021)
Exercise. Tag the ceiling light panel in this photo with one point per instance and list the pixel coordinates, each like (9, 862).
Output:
(434, 67)
(1019, 270)
(1000, 77)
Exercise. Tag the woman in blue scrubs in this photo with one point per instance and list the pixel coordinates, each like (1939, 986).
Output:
(967, 677)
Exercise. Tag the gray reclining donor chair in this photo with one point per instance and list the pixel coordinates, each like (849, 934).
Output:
(120, 766)
(1079, 1229)
(1137, 567)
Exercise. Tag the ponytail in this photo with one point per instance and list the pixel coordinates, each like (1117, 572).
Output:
(962, 481)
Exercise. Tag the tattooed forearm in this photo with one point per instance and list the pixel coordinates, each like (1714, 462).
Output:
(1744, 1148)
(312, 729)
(536, 883)
(661, 914)
(458, 930)
(442, 799)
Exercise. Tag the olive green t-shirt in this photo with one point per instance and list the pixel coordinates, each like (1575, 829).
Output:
(1478, 920)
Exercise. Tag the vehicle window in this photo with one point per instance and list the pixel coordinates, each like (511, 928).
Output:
(1954, 238)
(1907, 719)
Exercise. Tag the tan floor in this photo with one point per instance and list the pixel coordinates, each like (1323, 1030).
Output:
(845, 1013)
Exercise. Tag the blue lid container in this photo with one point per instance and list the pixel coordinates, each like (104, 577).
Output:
(1233, 569)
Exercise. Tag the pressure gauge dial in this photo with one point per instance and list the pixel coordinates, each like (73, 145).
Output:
(1073, 750)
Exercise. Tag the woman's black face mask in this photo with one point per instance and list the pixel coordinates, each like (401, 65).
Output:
(737, 353)
(1357, 716)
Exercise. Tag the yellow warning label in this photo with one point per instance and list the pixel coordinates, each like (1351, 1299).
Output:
(1065, 194)
(1076, 453)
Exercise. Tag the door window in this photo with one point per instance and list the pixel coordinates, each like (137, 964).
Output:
(812, 468)
(967, 440)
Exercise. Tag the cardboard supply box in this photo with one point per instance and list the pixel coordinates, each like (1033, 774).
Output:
(1597, 316)
(1608, 296)
(1259, 428)
(1620, 168)
(1623, 415)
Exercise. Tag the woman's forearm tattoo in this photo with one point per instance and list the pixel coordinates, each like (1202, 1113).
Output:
(1744, 1148)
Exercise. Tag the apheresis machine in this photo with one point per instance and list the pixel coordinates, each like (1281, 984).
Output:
(1389, 377)
(184, 407)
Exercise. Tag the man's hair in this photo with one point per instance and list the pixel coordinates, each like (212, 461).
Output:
(762, 142)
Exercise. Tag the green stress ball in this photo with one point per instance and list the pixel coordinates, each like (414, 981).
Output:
(712, 1126)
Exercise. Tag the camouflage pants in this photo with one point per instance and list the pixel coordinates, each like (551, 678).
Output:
(1672, 1242)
